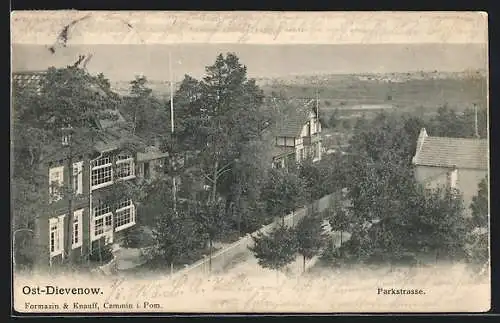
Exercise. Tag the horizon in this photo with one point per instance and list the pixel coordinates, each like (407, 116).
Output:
(121, 63)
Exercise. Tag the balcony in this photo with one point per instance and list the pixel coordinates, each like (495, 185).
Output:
(309, 140)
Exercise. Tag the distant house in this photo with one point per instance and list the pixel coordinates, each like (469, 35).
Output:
(297, 137)
(96, 168)
(457, 163)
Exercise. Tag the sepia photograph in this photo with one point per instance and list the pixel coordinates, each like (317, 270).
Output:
(249, 162)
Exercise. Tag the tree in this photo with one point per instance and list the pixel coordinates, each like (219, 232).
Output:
(310, 237)
(283, 193)
(276, 249)
(477, 238)
(67, 98)
(311, 176)
(435, 221)
(144, 111)
(334, 120)
(339, 219)
(225, 106)
(391, 214)
(211, 217)
(479, 205)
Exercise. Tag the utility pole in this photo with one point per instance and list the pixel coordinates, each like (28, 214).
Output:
(174, 186)
(67, 141)
(475, 121)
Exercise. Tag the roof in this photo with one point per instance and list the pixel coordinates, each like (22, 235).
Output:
(114, 136)
(108, 123)
(28, 80)
(451, 152)
(151, 153)
(294, 119)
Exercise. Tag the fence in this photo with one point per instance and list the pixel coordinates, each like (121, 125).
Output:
(239, 249)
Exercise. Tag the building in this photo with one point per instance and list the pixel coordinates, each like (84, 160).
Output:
(457, 163)
(297, 137)
(100, 215)
(151, 163)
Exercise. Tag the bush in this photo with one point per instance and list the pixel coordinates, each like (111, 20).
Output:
(102, 254)
(137, 237)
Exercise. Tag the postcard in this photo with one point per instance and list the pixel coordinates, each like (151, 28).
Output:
(249, 162)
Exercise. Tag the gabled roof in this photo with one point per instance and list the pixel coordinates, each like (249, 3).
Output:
(114, 134)
(451, 152)
(151, 153)
(108, 123)
(294, 119)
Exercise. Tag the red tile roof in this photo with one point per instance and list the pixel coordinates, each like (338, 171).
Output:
(452, 152)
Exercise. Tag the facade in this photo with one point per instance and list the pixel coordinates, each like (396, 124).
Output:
(99, 217)
(297, 137)
(151, 163)
(458, 163)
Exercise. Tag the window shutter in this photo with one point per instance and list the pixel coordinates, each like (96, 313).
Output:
(92, 225)
(78, 176)
(60, 229)
(78, 220)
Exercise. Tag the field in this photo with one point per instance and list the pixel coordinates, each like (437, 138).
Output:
(417, 92)
(348, 92)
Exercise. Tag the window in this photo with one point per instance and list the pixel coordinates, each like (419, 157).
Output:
(65, 139)
(56, 235)
(77, 229)
(278, 163)
(125, 215)
(102, 221)
(102, 172)
(56, 182)
(280, 141)
(290, 142)
(78, 178)
(125, 166)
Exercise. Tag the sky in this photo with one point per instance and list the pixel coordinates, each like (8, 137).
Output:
(124, 62)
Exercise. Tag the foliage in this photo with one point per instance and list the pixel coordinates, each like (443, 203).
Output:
(101, 255)
(144, 111)
(449, 123)
(218, 116)
(276, 249)
(479, 205)
(338, 218)
(310, 237)
(177, 235)
(66, 97)
(283, 192)
(389, 214)
(478, 244)
(333, 122)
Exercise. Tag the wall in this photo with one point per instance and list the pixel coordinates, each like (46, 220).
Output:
(61, 207)
(467, 180)
(223, 258)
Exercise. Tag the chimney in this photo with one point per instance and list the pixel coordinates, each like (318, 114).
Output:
(420, 143)
(475, 121)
